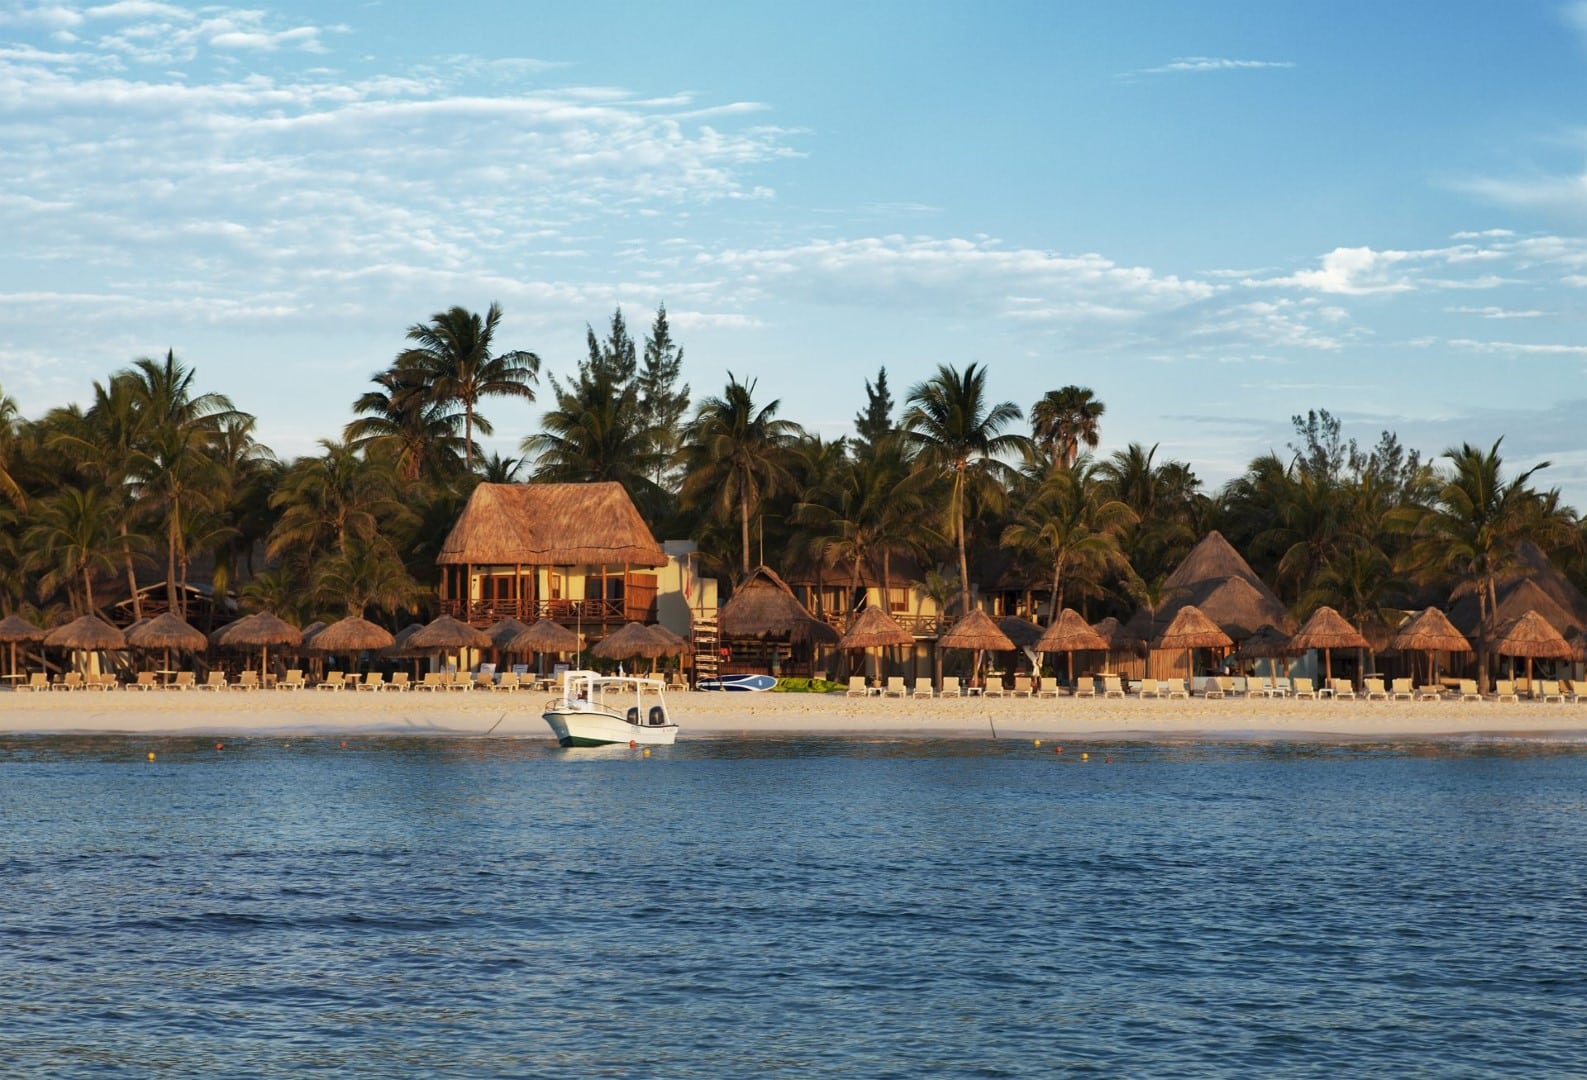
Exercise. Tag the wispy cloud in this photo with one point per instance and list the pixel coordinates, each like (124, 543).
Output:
(1495, 313)
(1182, 65)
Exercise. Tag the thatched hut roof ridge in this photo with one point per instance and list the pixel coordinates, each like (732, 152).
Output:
(1327, 629)
(976, 631)
(1531, 635)
(550, 525)
(1071, 633)
(873, 629)
(763, 606)
(1192, 630)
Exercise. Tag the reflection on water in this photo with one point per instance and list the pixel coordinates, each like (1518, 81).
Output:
(795, 906)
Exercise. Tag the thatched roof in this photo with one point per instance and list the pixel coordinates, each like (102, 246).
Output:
(167, 631)
(398, 649)
(1269, 642)
(1022, 632)
(1531, 635)
(765, 607)
(676, 644)
(1327, 629)
(976, 631)
(445, 632)
(1578, 646)
(1070, 633)
(1215, 579)
(1117, 637)
(16, 628)
(873, 629)
(627, 642)
(88, 633)
(1541, 588)
(261, 629)
(350, 635)
(500, 633)
(1431, 631)
(550, 525)
(312, 631)
(544, 636)
(1192, 630)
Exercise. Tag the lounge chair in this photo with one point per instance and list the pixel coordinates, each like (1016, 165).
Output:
(144, 681)
(1341, 689)
(994, 687)
(1255, 686)
(106, 680)
(1021, 686)
(293, 680)
(509, 682)
(37, 682)
(1468, 690)
(247, 680)
(1112, 686)
(433, 680)
(72, 680)
(1148, 689)
(1429, 692)
(1176, 688)
(1576, 688)
(485, 680)
(460, 680)
(922, 688)
(1504, 690)
(216, 681)
(1212, 687)
(373, 680)
(399, 682)
(1372, 689)
(857, 687)
(1547, 690)
(1085, 686)
(185, 680)
(1401, 690)
(1303, 689)
(895, 686)
(333, 681)
(950, 686)
(1280, 688)
(1047, 688)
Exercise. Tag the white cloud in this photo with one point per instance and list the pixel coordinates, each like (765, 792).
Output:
(1200, 64)
(1491, 312)
(1357, 271)
(1523, 348)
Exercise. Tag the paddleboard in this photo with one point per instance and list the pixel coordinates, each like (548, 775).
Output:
(738, 682)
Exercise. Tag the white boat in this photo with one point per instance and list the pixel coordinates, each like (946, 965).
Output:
(600, 710)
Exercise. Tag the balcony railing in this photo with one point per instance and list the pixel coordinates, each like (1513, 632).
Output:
(921, 626)
(567, 612)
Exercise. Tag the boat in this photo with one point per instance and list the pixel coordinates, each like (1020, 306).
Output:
(603, 710)
(738, 682)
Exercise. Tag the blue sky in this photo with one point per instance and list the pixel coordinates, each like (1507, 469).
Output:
(1215, 215)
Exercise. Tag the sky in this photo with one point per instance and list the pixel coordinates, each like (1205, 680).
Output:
(1216, 216)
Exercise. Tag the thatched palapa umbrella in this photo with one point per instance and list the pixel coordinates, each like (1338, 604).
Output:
(502, 632)
(1190, 629)
(1268, 643)
(87, 634)
(631, 641)
(1532, 636)
(14, 628)
(875, 629)
(352, 636)
(444, 633)
(1328, 630)
(545, 636)
(260, 631)
(167, 631)
(764, 607)
(1069, 634)
(1430, 632)
(976, 632)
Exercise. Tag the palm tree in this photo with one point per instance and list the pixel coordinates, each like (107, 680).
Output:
(362, 576)
(736, 454)
(453, 357)
(1471, 532)
(1065, 419)
(330, 502)
(404, 419)
(1068, 522)
(73, 537)
(959, 435)
(596, 433)
(1360, 583)
(9, 418)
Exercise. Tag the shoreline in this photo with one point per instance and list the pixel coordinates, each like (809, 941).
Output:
(738, 715)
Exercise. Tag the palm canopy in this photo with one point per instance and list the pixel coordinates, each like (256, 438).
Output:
(452, 353)
(736, 454)
(1065, 419)
(597, 433)
(958, 433)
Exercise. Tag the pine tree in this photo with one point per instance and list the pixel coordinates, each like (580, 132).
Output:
(876, 422)
(613, 360)
(662, 402)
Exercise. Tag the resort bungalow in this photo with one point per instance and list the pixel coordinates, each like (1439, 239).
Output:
(578, 554)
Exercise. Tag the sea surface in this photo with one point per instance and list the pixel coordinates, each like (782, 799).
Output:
(792, 907)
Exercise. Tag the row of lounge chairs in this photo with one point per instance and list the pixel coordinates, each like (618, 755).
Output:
(1113, 686)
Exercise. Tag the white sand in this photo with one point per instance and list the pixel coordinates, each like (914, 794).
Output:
(238, 713)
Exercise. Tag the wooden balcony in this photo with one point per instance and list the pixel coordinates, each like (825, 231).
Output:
(921, 626)
(570, 613)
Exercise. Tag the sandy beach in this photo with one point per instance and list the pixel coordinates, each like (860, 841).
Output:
(706, 715)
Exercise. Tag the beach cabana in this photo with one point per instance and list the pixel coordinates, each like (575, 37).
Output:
(1191, 630)
(349, 636)
(975, 632)
(1430, 632)
(631, 641)
(544, 636)
(1328, 630)
(1069, 634)
(446, 634)
(1532, 637)
(875, 629)
(764, 609)
(14, 629)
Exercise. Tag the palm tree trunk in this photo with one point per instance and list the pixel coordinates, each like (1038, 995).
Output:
(132, 578)
(173, 534)
(743, 526)
(468, 435)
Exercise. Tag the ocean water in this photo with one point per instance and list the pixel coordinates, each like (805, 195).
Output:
(801, 907)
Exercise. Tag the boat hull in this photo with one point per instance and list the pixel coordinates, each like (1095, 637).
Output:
(573, 728)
